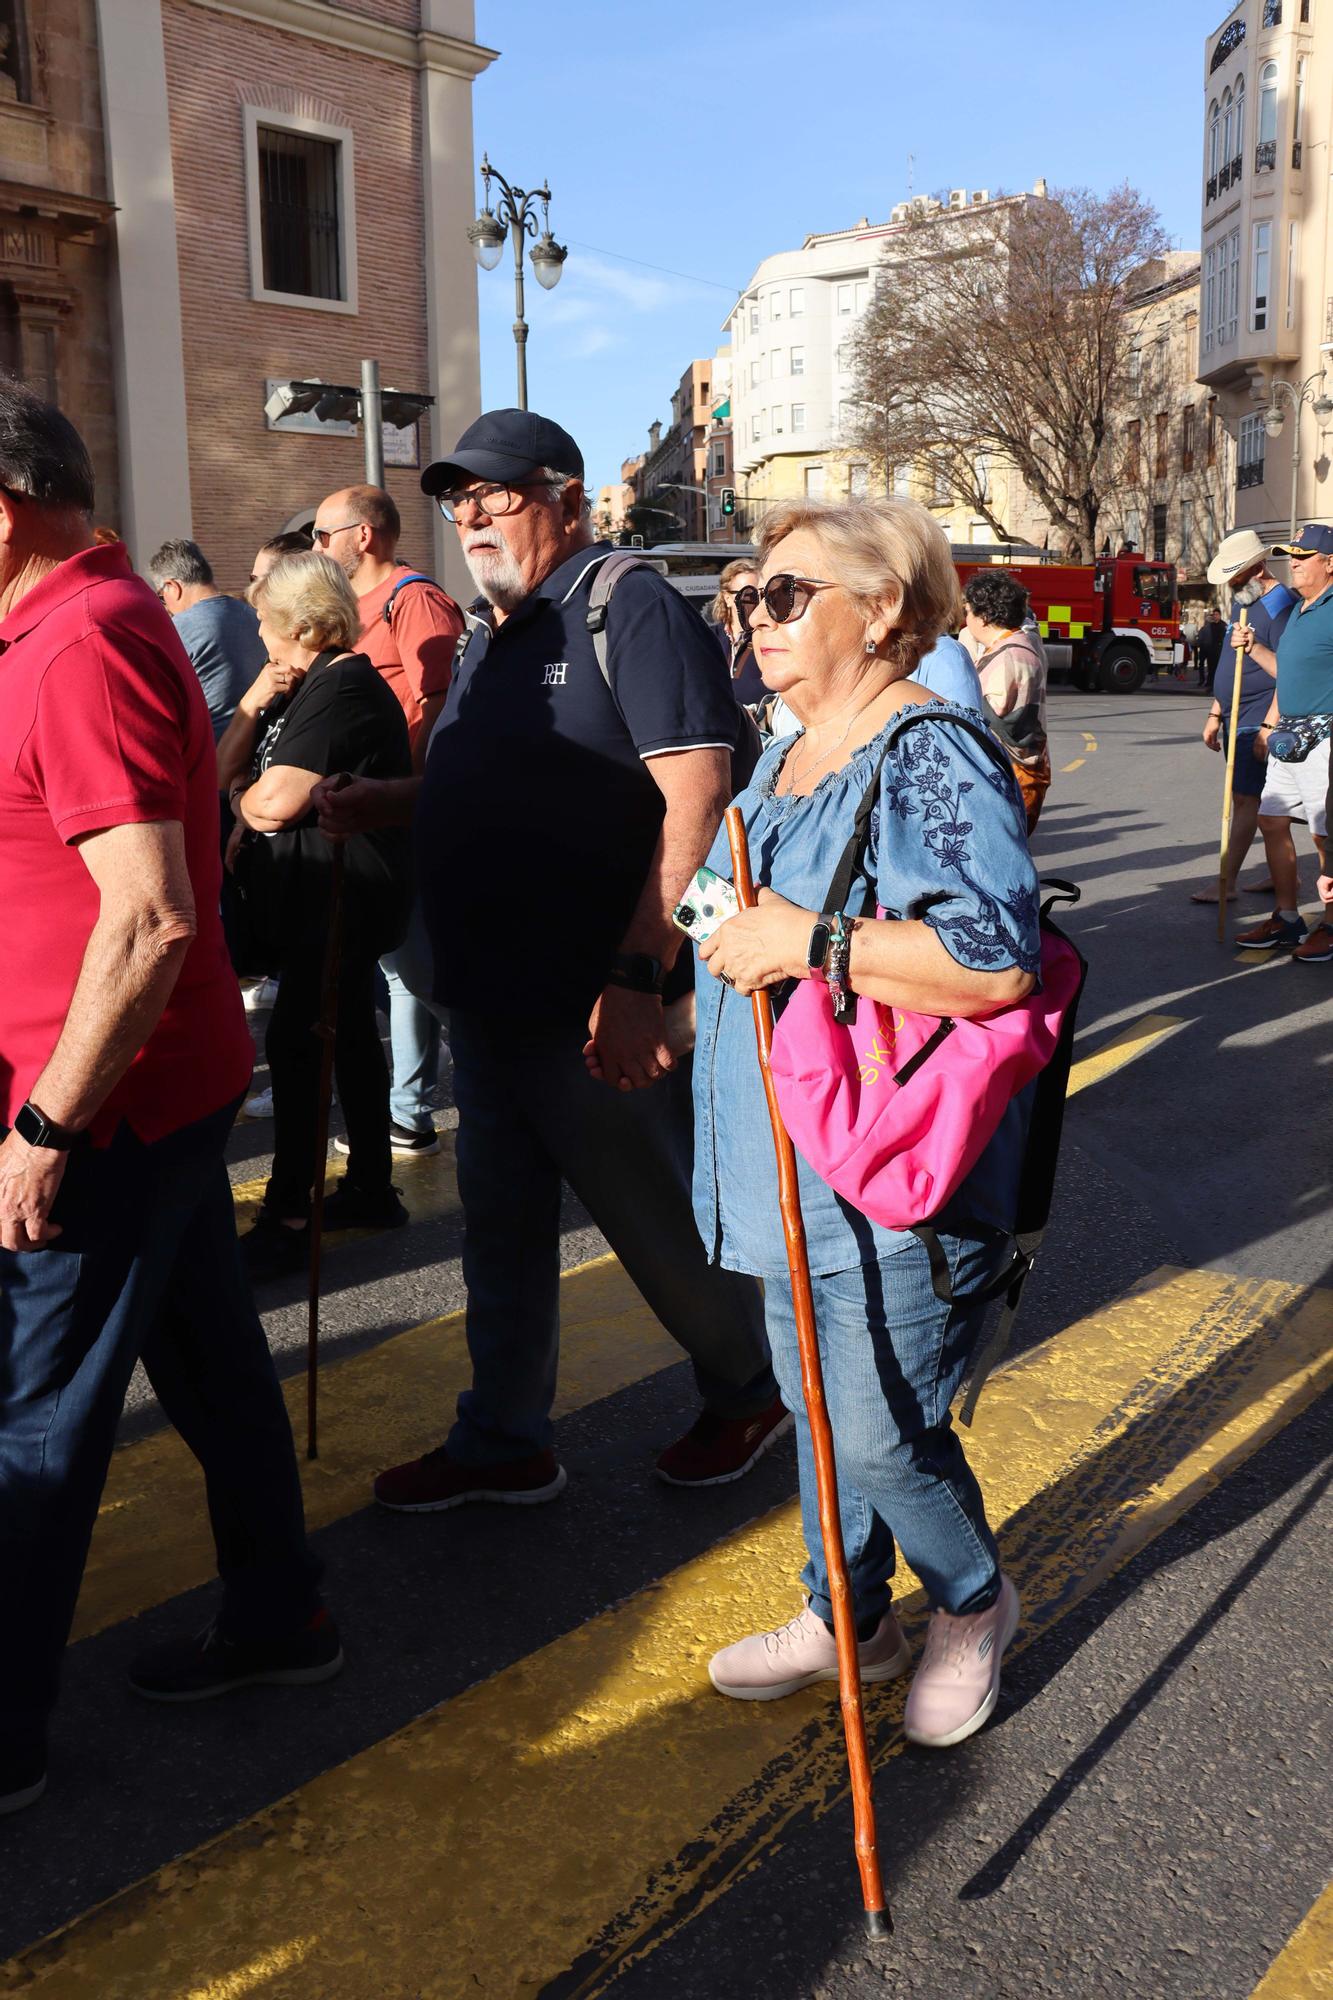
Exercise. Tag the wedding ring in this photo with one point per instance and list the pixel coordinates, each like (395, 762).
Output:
(726, 979)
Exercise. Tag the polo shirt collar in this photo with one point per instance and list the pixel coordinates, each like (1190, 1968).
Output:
(1315, 602)
(98, 564)
(561, 583)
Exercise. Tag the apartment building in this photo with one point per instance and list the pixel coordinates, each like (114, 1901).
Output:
(671, 483)
(203, 196)
(1266, 314)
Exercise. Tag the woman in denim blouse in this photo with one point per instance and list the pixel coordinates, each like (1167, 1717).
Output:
(854, 595)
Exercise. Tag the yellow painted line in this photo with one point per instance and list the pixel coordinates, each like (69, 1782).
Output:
(1089, 742)
(375, 1409)
(429, 1185)
(410, 1863)
(1077, 764)
(1126, 1047)
(1303, 1970)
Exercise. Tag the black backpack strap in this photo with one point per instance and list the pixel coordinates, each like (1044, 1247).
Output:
(413, 576)
(612, 566)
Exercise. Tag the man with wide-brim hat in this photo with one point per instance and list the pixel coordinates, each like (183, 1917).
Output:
(1241, 567)
(1295, 786)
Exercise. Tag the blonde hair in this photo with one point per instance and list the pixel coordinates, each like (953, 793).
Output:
(308, 599)
(743, 566)
(890, 555)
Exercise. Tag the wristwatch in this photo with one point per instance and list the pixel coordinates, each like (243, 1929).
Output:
(637, 970)
(37, 1129)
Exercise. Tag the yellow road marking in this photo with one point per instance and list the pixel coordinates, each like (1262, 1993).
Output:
(1077, 764)
(403, 1862)
(1133, 1041)
(376, 1409)
(1303, 1970)
(429, 1184)
(1089, 742)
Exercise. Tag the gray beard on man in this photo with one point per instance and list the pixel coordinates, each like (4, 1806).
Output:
(497, 576)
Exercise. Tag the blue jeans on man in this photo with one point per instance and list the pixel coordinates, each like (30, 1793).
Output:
(414, 1028)
(147, 1267)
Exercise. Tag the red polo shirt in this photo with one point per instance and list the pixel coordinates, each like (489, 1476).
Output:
(103, 723)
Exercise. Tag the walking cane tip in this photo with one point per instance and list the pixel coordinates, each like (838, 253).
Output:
(879, 1926)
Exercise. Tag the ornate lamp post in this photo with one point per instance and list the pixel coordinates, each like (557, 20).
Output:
(516, 212)
(1309, 391)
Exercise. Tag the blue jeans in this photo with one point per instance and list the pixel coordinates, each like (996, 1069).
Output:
(528, 1115)
(893, 1358)
(414, 1027)
(147, 1267)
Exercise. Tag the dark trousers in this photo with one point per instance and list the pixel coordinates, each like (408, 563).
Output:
(293, 1051)
(147, 1267)
(528, 1115)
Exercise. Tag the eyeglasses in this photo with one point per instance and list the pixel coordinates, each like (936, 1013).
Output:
(325, 535)
(497, 498)
(787, 597)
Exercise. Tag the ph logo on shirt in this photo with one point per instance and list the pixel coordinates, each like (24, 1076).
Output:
(554, 675)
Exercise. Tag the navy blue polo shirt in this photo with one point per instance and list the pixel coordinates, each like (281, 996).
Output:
(1269, 618)
(539, 817)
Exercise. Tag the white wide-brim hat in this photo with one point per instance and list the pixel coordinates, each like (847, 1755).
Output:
(1239, 552)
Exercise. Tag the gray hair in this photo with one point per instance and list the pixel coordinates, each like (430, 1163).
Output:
(42, 456)
(558, 481)
(179, 562)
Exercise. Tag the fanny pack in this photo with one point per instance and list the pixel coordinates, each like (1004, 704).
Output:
(894, 1108)
(1292, 738)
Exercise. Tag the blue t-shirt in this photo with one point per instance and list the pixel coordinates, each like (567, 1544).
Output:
(1305, 660)
(948, 845)
(947, 671)
(221, 636)
(537, 806)
(1269, 617)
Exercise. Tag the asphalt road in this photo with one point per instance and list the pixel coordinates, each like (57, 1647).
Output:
(1148, 1814)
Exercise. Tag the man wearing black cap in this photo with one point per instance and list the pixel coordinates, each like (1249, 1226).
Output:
(1302, 709)
(562, 810)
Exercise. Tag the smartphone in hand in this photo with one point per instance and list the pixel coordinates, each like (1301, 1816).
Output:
(705, 906)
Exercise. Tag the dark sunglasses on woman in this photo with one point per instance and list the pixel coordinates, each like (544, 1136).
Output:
(785, 596)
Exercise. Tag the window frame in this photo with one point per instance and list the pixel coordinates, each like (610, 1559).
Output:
(795, 301)
(797, 411)
(1261, 258)
(796, 360)
(255, 117)
(1266, 129)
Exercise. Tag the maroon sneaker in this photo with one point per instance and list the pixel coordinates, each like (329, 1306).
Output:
(715, 1450)
(428, 1485)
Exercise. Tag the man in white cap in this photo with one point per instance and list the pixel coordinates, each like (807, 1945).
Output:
(1241, 565)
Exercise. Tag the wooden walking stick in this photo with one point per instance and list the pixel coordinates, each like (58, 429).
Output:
(1226, 798)
(878, 1921)
(327, 1029)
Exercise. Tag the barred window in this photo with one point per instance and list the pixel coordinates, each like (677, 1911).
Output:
(299, 214)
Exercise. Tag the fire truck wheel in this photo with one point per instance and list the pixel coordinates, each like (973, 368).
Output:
(1123, 668)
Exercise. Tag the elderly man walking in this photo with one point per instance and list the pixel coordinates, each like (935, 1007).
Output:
(1302, 704)
(563, 810)
(409, 632)
(220, 634)
(123, 1055)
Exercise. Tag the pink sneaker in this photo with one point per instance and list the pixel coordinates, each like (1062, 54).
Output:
(768, 1665)
(958, 1681)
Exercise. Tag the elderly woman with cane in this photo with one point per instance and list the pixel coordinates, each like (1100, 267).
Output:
(851, 597)
(316, 708)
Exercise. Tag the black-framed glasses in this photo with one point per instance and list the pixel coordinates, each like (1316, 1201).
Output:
(787, 597)
(495, 499)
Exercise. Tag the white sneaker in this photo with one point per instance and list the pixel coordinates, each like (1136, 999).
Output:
(768, 1665)
(958, 1682)
(262, 994)
(258, 1106)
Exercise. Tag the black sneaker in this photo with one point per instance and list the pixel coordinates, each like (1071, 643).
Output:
(271, 1250)
(22, 1775)
(211, 1664)
(403, 1139)
(353, 1207)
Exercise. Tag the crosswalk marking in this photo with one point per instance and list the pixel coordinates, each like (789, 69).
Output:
(376, 1409)
(1133, 1041)
(1303, 1969)
(609, 1753)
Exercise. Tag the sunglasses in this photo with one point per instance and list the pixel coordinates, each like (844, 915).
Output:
(325, 535)
(786, 597)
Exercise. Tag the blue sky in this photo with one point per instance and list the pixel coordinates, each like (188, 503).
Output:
(700, 139)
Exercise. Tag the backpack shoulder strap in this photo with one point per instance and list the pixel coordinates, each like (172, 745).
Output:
(609, 571)
(413, 576)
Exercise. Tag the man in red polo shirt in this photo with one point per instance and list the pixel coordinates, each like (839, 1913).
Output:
(123, 1055)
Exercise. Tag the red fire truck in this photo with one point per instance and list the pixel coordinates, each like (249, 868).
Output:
(1105, 624)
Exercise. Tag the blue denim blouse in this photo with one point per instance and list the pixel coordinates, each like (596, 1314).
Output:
(947, 845)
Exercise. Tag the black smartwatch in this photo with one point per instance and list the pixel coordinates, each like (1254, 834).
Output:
(637, 970)
(37, 1129)
(821, 931)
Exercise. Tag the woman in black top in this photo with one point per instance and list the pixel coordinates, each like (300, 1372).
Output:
(315, 708)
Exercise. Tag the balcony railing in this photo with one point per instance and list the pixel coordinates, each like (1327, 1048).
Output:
(1265, 156)
(1235, 171)
(1223, 179)
(1212, 187)
(1251, 474)
(1295, 152)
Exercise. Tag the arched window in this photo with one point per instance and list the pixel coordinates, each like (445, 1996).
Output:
(1228, 129)
(1268, 103)
(1214, 140)
(1240, 116)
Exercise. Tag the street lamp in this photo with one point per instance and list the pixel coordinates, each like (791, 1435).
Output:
(515, 213)
(1275, 417)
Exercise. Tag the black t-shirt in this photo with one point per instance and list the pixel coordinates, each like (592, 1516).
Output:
(538, 814)
(341, 717)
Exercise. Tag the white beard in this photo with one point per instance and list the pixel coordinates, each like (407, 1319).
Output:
(1249, 593)
(494, 569)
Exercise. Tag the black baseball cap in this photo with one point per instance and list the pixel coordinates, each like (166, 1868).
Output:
(1314, 539)
(505, 444)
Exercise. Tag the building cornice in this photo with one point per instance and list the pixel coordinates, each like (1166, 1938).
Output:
(335, 27)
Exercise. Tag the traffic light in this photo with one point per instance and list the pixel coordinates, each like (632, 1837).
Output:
(728, 501)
